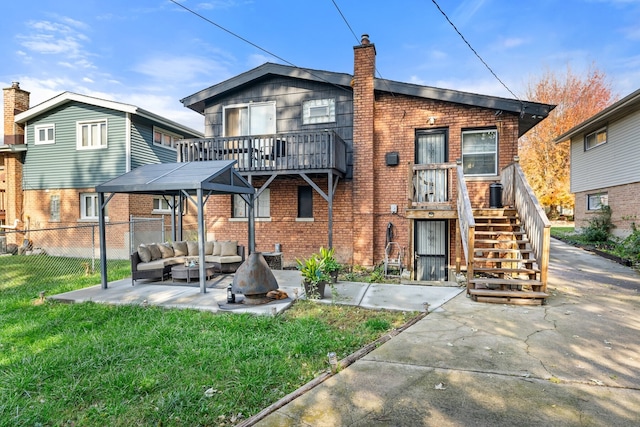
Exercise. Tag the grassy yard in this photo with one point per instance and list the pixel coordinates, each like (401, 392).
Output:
(97, 365)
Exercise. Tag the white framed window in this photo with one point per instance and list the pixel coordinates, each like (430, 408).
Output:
(480, 152)
(597, 201)
(54, 208)
(594, 139)
(45, 134)
(257, 118)
(92, 135)
(89, 207)
(164, 138)
(161, 205)
(318, 111)
(262, 208)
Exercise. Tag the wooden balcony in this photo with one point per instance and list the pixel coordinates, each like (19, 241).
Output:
(295, 152)
(432, 192)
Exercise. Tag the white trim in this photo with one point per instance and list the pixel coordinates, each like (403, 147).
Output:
(174, 137)
(127, 144)
(595, 135)
(98, 102)
(38, 127)
(495, 152)
(83, 215)
(248, 106)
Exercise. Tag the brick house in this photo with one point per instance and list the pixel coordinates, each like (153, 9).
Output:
(356, 162)
(55, 153)
(605, 164)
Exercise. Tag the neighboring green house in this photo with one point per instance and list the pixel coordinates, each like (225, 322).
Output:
(74, 142)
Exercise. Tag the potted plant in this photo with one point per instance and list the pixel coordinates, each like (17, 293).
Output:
(331, 266)
(314, 277)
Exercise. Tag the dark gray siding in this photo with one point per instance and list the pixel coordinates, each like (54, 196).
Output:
(62, 165)
(289, 95)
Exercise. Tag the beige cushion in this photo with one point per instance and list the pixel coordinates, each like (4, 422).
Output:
(229, 248)
(217, 246)
(208, 248)
(192, 248)
(144, 253)
(166, 250)
(180, 249)
(155, 252)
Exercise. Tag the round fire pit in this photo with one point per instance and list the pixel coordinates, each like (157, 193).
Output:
(254, 279)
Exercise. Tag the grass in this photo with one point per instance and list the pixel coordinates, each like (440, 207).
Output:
(625, 249)
(95, 365)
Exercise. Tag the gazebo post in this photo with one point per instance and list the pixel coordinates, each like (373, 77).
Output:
(201, 241)
(252, 224)
(103, 241)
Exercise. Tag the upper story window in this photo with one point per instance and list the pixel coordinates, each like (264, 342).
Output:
(92, 135)
(257, 118)
(318, 111)
(480, 152)
(596, 138)
(597, 201)
(161, 205)
(45, 134)
(164, 138)
(262, 207)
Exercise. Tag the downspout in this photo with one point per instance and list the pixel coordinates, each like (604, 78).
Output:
(127, 144)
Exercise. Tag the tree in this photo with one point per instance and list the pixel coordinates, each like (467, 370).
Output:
(546, 164)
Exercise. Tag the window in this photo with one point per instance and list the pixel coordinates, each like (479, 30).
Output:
(597, 201)
(262, 208)
(54, 208)
(166, 139)
(596, 138)
(250, 119)
(92, 135)
(161, 205)
(305, 202)
(480, 152)
(89, 208)
(318, 111)
(45, 134)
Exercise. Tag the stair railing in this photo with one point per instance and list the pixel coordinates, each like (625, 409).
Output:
(466, 222)
(518, 193)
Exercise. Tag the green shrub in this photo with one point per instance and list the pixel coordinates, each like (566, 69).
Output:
(599, 226)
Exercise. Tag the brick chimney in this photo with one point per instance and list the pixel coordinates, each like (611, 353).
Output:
(363, 151)
(16, 101)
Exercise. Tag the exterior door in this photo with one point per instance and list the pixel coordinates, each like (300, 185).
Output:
(431, 148)
(431, 250)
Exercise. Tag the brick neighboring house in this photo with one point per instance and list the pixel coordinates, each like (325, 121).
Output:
(55, 153)
(605, 164)
(353, 161)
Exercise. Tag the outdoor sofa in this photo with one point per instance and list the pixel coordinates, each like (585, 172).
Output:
(154, 261)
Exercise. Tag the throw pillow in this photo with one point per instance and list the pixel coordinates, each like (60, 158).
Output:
(155, 251)
(192, 248)
(144, 253)
(180, 248)
(229, 248)
(208, 248)
(166, 250)
(217, 246)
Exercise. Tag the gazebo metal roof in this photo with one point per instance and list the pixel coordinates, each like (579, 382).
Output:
(199, 179)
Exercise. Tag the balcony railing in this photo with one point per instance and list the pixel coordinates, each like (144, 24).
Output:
(431, 186)
(323, 150)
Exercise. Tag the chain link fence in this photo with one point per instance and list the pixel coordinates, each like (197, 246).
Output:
(75, 250)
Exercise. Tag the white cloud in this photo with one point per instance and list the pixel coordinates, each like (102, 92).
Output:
(179, 71)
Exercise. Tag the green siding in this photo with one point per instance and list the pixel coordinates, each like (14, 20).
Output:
(143, 151)
(62, 165)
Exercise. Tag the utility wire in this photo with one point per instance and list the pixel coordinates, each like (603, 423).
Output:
(474, 51)
(253, 44)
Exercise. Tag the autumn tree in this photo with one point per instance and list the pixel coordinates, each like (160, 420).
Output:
(546, 164)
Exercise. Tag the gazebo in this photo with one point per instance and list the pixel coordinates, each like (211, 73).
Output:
(187, 180)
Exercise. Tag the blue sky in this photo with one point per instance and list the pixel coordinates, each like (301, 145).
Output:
(152, 53)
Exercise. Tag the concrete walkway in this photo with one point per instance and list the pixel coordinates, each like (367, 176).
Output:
(572, 362)
(180, 295)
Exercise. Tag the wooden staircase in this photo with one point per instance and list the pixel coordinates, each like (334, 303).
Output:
(504, 265)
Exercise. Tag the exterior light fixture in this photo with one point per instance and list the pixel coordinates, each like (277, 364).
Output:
(431, 214)
(432, 120)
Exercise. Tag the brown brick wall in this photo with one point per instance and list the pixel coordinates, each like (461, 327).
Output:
(624, 203)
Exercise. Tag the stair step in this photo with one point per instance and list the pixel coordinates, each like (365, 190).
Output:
(501, 232)
(509, 294)
(491, 241)
(505, 260)
(496, 281)
(504, 250)
(505, 270)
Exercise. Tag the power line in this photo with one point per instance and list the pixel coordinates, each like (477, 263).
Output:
(474, 51)
(253, 44)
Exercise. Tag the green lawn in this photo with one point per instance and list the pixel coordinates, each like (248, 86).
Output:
(97, 365)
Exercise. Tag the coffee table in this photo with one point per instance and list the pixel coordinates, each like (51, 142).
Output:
(181, 271)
